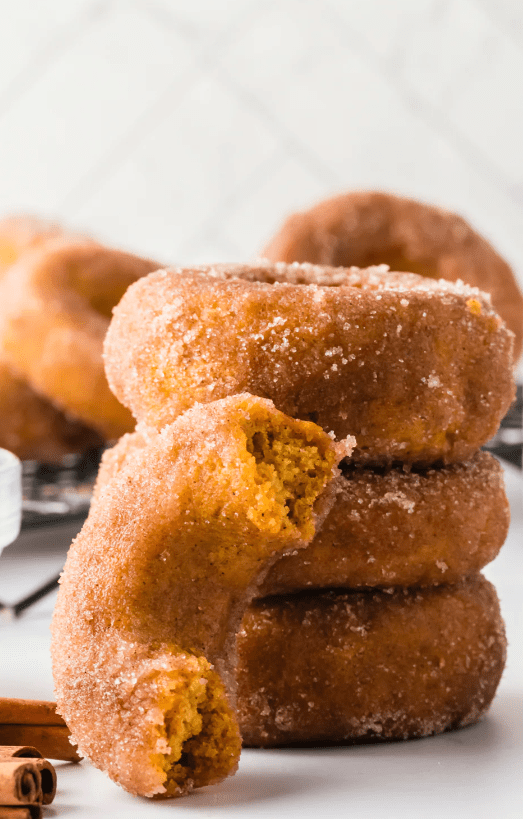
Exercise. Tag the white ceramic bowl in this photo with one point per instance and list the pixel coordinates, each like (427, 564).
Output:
(10, 497)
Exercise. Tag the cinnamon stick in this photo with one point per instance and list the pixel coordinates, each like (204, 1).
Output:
(28, 712)
(20, 782)
(51, 740)
(36, 723)
(10, 751)
(47, 779)
(31, 812)
(47, 771)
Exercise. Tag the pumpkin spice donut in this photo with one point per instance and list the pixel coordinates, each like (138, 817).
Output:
(368, 228)
(402, 529)
(418, 371)
(56, 303)
(367, 666)
(385, 528)
(33, 428)
(156, 584)
(30, 426)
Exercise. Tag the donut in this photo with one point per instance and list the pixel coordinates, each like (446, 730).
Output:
(368, 228)
(387, 528)
(157, 582)
(418, 371)
(368, 666)
(56, 304)
(33, 429)
(31, 426)
(21, 233)
(402, 529)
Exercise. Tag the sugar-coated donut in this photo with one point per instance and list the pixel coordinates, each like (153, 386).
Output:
(402, 529)
(367, 228)
(385, 528)
(55, 306)
(156, 584)
(32, 428)
(366, 666)
(418, 371)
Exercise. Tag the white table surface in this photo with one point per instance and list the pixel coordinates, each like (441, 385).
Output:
(476, 772)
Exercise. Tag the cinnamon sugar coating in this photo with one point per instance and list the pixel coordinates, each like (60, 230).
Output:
(417, 370)
(367, 228)
(56, 303)
(359, 667)
(403, 529)
(386, 528)
(156, 584)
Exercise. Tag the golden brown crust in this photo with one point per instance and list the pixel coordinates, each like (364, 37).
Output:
(157, 582)
(56, 304)
(30, 426)
(419, 371)
(361, 667)
(385, 529)
(403, 529)
(367, 228)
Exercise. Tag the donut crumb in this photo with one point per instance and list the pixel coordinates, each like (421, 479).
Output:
(196, 739)
(290, 474)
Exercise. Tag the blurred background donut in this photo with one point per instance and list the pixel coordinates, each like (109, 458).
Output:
(366, 228)
(30, 425)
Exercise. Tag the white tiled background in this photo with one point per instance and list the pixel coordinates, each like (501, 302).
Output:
(186, 129)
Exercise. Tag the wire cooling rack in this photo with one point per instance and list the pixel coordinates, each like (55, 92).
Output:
(55, 497)
(54, 492)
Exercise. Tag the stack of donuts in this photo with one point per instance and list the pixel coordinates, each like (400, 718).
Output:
(56, 295)
(392, 516)
(374, 623)
(419, 372)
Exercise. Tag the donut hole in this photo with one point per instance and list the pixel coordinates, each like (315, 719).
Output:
(290, 473)
(199, 733)
(396, 260)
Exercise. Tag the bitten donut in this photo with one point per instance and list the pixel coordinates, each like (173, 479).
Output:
(32, 428)
(56, 303)
(418, 371)
(156, 584)
(385, 528)
(360, 667)
(367, 228)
